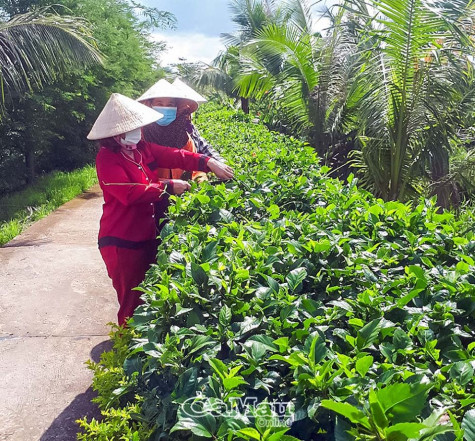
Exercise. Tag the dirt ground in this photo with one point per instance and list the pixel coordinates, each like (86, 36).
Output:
(55, 303)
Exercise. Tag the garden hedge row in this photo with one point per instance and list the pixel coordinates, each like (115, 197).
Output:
(285, 304)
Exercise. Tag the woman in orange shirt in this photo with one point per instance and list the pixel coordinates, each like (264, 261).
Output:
(174, 129)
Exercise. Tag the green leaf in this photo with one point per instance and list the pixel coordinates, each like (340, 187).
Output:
(321, 246)
(265, 341)
(402, 402)
(176, 257)
(282, 343)
(250, 432)
(186, 384)
(204, 199)
(167, 230)
(249, 324)
(219, 367)
(400, 339)
(355, 415)
(278, 435)
(225, 316)
(368, 334)
(363, 364)
(199, 342)
(433, 427)
(274, 211)
(209, 251)
(198, 273)
(289, 438)
(295, 359)
(200, 423)
(318, 350)
(462, 372)
(403, 301)
(468, 425)
(403, 431)
(273, 284)
(233, 383)
(377, 411)
(295, 278)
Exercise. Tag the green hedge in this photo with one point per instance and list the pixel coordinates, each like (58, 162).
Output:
(286, 304)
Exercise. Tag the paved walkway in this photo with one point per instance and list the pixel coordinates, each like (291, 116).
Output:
(55, 303)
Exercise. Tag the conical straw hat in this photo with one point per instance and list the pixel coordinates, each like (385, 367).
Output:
(120, 115)
(188, 91)
(163, 89)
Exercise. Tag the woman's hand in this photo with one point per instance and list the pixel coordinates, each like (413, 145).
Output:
(221, 170)
(179, 186)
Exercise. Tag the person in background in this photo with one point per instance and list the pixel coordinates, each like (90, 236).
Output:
(127, 233)
(201, 144)
(176, 130)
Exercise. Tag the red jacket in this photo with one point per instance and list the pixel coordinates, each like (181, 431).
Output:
(130, 189)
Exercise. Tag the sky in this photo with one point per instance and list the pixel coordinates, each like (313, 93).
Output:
(197, 34)
(200, 23)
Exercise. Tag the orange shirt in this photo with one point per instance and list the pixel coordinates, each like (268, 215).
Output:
(178, 173)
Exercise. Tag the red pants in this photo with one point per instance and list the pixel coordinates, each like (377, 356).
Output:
(127, 268)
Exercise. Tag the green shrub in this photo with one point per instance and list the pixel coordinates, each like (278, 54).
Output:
(119, 412)
(118, 425)
(286, 286)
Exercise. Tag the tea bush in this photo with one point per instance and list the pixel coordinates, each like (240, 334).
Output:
(287, 305)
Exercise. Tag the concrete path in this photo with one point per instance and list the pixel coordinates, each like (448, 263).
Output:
(55, 303)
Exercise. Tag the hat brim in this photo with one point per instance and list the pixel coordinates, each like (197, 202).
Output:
(163, 89)
(121, 115)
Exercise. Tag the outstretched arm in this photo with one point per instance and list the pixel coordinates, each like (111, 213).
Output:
(168, 157)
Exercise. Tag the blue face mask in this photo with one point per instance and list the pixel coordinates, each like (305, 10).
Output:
(169, 115)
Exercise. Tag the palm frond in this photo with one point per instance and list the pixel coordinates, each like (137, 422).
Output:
(38, 47)
(299, 13)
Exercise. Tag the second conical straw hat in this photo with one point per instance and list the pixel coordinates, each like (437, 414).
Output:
(188, 91)
(120, 115)
(163, 89)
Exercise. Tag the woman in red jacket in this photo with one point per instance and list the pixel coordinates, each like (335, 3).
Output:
(127, 234)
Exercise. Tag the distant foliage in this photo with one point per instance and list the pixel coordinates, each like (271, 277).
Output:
(47, 130)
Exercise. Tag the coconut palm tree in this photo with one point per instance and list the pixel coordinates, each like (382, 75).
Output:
(308, 75)
(39, 46)
(391, 70)
(221, 74)
(410, 74)
(250, 16)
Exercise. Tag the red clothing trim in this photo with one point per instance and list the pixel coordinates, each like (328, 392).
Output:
(130, 189)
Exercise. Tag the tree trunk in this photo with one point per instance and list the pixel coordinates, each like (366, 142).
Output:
(245, 105)
(445, 190)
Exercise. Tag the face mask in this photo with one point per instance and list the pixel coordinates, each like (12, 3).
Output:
(169, 115)
(131, 139)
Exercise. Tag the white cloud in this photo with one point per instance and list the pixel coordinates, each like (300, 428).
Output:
(192, 47)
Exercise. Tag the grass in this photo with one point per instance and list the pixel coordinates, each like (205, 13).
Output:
(19, 210)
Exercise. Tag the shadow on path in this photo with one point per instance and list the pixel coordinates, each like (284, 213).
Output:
(64, 427)
(96, 351)
(27, 243)
(90, 195)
